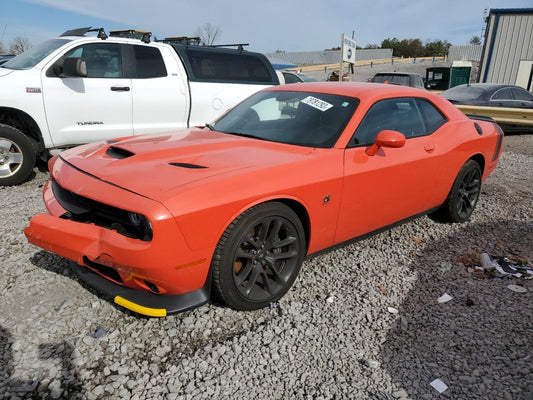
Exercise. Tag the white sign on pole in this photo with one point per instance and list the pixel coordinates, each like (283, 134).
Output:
(348, 49)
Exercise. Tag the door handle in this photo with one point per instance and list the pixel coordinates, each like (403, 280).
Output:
(429, 147)
(120, 88)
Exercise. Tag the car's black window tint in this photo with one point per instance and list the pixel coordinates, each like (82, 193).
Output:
(149, 61)
(290, 78)
(399, 114)
(522, 94)
(227, 67)
(103, 60)
(394, 79)
(503, 94)
(433, 119)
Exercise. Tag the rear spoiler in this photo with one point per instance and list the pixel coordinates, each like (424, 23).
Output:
(480, 118)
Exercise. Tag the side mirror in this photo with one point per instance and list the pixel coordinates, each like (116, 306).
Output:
(74, 67)
(386, 138)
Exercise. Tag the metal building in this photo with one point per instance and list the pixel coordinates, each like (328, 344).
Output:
(507, 55)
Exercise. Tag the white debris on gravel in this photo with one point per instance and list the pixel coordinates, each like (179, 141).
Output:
(328, 338)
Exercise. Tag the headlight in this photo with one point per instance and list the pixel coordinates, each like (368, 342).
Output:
(141, 224)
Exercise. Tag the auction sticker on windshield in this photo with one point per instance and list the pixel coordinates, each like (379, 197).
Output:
(317, 103)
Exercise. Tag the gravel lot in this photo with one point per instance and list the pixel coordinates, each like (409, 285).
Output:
(330, 337)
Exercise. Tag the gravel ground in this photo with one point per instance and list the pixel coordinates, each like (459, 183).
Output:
(330, 337)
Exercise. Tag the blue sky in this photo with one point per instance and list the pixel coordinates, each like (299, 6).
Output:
(267, 25)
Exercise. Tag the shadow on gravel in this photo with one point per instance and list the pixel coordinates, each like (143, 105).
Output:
(480, 343)
(38, 385)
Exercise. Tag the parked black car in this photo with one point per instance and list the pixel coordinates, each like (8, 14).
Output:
(399, 78)
(489, 94)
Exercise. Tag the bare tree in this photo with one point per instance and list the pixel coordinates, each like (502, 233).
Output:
(208, 33)
(19, 45)
(2, 48)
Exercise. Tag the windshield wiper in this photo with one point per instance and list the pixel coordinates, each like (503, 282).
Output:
(210, 127)
(248, 135)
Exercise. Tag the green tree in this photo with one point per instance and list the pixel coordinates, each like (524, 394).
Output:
(435, 49)
(409, 48)
(390, 44)
(475, 40)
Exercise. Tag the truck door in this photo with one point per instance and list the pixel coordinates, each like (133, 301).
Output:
(159, 89)
(87, 109)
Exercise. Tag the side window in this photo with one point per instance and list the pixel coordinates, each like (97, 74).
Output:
(503, 94)
(433, 119)
(104, 60)
(290, 78)
(149, 61)
(400, 114)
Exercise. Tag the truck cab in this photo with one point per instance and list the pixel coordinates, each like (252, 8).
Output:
(76, 89)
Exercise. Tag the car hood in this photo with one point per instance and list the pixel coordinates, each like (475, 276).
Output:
(153, 165)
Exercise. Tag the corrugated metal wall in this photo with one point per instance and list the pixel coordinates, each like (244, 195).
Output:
(470, 52)
(509, 39)
(330, 56)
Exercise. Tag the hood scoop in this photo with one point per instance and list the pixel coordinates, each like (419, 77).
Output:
(118, 153)
(187, 165)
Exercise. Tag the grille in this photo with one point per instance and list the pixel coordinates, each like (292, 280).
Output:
(83, 209)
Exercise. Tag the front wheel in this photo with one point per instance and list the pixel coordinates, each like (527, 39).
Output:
(463, 196)
(17, 156)
(259, 256)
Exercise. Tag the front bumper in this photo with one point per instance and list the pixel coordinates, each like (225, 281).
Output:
(156, 277)
(146, 303)
(84, 243)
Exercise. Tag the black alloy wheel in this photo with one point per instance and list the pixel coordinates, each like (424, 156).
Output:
(464, 194)
(259, 256)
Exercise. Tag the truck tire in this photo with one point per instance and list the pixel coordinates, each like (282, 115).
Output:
(17, 156)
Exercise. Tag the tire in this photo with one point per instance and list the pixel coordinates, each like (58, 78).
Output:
(258, 257)
(17, 156)
(463, 196)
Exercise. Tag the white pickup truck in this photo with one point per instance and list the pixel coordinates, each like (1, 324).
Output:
(77, 89)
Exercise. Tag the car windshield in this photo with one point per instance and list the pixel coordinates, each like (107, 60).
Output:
(292, 117)
(307, 78)
(31, 57)
(462, 93)
(392, 79)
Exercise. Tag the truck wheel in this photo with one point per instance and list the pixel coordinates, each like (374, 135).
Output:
(17, 156)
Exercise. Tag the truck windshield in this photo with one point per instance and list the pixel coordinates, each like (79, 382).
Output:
(31, 57)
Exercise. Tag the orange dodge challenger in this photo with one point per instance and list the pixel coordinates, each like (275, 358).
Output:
(157, 222)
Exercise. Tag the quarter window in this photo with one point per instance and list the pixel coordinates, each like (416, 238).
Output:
(522, 94)
(503, 94)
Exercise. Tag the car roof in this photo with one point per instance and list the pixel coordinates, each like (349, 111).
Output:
(487, 86)
(398, 73)
(355, 89)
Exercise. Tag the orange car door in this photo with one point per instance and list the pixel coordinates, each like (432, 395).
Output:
(395, 183)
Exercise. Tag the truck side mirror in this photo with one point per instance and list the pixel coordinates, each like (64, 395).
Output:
(74, 67)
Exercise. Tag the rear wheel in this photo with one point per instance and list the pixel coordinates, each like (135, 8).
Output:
(464, 194)
(17, 156)
(258, 257)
